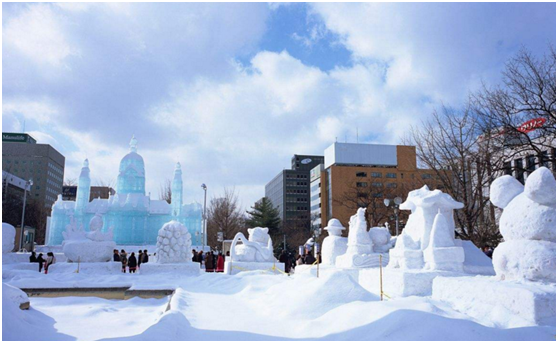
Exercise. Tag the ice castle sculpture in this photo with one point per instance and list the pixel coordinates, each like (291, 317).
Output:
(133, 216)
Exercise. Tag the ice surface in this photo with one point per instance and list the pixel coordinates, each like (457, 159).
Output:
(174, 243)
(8, 238)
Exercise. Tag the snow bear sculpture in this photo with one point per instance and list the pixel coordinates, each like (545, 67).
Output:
(174, 243)
(92, 246)
(257, 248)
(528, 225)
(8, 238)
(333, 245)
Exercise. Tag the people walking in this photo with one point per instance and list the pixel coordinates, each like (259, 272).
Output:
(220, 263)
(49, 261)
(200, 256)
(115, 255)
(140, 258)
(209, 262)
(33, 258)
(123, 260)
(132, 263)
(40, 261)
(145, 256)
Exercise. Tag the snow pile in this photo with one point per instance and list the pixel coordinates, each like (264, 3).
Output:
(257, 248)
(528, 225)
(173, 243)
(92, 246)
(8, 238)
(333, 245)
(430, 225)
(476, 261)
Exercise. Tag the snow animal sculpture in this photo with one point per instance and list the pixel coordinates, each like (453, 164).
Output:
(380, 237)
(424, 205)
(8, 238)
(333, 245)
(257, 248)
(174, 243)
(92, 246)
(528, 225)
(360, 252)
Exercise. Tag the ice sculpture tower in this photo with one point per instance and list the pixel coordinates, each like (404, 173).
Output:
(84, 188)
(132, 215)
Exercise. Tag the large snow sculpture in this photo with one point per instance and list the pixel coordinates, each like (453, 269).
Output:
(442, 253)
(360, 253)
(333, 245)
(258, 247)
(174, 243)
(8, 238)
(425, 205)
(92, 246)
(528, 225)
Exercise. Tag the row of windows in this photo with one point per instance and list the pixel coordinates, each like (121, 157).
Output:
(391, 175)
(297, 199)
(530, 165)
(298, 183)
(297, 191)
(298, 176)
(297, 208)
(23, 162)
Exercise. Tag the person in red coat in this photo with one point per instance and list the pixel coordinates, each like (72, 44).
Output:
(220, 263)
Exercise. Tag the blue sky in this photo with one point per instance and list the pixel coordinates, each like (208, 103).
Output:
(232, 91)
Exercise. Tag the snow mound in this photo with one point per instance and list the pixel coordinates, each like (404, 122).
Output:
(8, 238)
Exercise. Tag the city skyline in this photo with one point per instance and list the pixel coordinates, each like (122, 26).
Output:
(219, 87)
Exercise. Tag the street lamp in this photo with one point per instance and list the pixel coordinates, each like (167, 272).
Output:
(396, 202)
(204, 237)
(28, 184)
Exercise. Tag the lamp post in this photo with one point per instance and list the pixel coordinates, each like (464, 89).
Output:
(28, 184)
(204, 236)
(396, 202)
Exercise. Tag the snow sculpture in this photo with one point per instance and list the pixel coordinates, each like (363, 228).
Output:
(425, 206)
(528, 225)
(174, 243)
(360, 252)
(380, 237)
(333, 245)
(442, 253)
(257, 248)
(92, 246)
(8, 238)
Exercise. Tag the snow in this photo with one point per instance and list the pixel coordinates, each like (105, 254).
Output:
(257, 248)
(92, 246)
(525, 259)
(504, 189)
(8, 238)
(476, 261)
(442, 253)
(173, 243)
(333, 245)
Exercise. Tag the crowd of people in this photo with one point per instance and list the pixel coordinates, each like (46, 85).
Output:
(213, 262)
(132, 262)
(43, 263)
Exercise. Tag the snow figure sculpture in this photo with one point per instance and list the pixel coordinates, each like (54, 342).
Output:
(528, 225)
(359, 247)
(424, 205)
(442, 253)
(92, 246)
(333, 245)
(380, 237)
(174, 243)
(257, 248)
(8, 238)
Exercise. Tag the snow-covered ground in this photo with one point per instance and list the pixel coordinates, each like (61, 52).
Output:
(246, 306)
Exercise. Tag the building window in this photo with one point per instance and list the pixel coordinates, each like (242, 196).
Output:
(391, 175)
(544, 160)
(376, 174)
(507, 168)
(531, 164)
(519, 170)
(361, 174)
(391, 185)
(426, 176)
(377, 184)
(362, 184)
(378, 195)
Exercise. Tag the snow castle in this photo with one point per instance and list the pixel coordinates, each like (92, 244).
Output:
(134, 218)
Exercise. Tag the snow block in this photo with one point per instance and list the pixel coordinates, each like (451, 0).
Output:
(525, 260)
(96, 268)
(88, 250)
(187, 268)
(235, 267)
(23, 257)
(508, 304)
(447, 258)
(400, 283)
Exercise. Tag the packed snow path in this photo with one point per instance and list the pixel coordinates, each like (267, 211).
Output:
(252, 306)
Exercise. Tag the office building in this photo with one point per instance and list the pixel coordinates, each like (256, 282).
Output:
(23, 157)
(97, 192)
(289, 191)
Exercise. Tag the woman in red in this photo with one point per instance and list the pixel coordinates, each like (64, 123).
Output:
(220, 263)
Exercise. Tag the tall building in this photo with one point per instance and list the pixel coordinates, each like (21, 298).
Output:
(41, 163)
(289, 191)
(363, 175)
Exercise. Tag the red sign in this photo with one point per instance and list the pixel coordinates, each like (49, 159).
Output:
(531, 125)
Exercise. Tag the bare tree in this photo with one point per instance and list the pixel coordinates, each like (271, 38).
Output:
(165, 192)
(70, 182)
(448, 144)
(105, 183)
(224, 215)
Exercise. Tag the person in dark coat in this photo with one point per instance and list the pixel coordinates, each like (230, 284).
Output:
(41, 262)
(115, 255)
(200, 256)
(285, 259)
(140, 258)
(145, 257)
(123, 260)
(309, 258)
(33, 258)
(209, 262)
(132, 263)
(194, 256)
